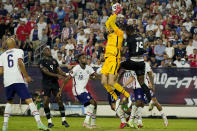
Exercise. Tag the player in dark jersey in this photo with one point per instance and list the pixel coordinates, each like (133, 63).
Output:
(51, 72)
(135, 44)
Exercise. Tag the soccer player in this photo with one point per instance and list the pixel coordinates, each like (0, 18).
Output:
(15, 78)
(51, 72)
(112, 56)
(80, 75)
(140, 100)
(154, 100)
(113, 103)
(136, 62)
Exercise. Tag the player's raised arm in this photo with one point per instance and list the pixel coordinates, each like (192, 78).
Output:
(60, 71)
(112, 23)
(21, 66)
(131, 79)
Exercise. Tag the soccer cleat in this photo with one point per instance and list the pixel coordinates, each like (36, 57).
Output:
(122, 125)
(151, 106)
(139, 126)
(65, 124)
(4, 128)
(165, 120)
(94, 127)
(132, 124)
(50, 125)
(87, 126)
(43, 127)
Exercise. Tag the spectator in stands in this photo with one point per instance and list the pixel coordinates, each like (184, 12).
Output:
(67, 32)
(193, 58)
(81, 38)
(69, 46)
(189, 48)
(153, 61)
(61, 15)
(28, 48)
(60, 59)
(41, 24)
(180, 51)
(194, 27)
(36, 36)
(169, 50)
(54, 51)
(22, 31)
(194, 40)
(55, 29)
(159, 51)
(162, 64)
(68, 58)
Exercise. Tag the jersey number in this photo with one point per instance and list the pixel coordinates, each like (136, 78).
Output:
(51, 66)
(10, 61)
(139, 45)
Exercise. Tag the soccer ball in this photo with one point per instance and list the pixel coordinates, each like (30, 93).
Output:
(114, 7)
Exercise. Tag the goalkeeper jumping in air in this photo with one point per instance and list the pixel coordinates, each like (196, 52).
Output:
(112, 56)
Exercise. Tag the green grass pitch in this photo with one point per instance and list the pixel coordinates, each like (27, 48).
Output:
(105, 124)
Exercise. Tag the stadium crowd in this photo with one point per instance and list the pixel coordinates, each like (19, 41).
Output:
(69, 27)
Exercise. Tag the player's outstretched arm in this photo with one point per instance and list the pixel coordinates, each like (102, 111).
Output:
(46, 71)
(61, 72)
(63, 85)
(21, 66)
(95, 76)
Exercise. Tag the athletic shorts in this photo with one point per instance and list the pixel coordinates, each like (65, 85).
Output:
(84, 98)
(50, 88)
(110, 65)
(138, 67)
(17, 88)
(139, 95)
(111, 98)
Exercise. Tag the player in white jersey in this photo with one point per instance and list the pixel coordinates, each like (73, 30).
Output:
(154, 101)
(15, 78)
(80, 75)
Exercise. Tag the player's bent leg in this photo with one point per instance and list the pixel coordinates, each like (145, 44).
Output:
(145, 88)
(117, 86)
(36, 114)
(62, 111)
(47, 111)
(104, 81)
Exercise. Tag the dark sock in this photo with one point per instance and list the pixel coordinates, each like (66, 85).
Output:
(62, 111)
(47, 112)
(146, 91)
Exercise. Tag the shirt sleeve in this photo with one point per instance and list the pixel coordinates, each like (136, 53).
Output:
(73, 72)
(21, 55)
(91, 70)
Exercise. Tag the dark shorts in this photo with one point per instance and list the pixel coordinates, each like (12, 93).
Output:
(17, 88)
(138, 67)
(84, 98)
(50, 88)
(111, 98)
(139, 95)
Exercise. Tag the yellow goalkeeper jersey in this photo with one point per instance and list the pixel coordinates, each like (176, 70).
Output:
(115, 39)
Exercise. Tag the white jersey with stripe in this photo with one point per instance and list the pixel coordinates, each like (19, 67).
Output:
(135, 84)
(11, 71)
(80, 78)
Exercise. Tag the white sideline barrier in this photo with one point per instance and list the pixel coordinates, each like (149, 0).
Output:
(105, 110)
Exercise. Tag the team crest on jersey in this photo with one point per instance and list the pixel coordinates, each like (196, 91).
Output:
(54, 62)
(88, 97)
(41, 66)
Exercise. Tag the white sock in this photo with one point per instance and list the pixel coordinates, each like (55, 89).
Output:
(120, 114)
(151, 102)
(89, 112)
(161, 112)
(139, 113)
(63, 119)
(133, 112)
(93, 118)
(7, 113)
(50, 121)
(35, 112)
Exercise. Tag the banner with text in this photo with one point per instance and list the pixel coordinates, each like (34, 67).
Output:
(173, 86)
